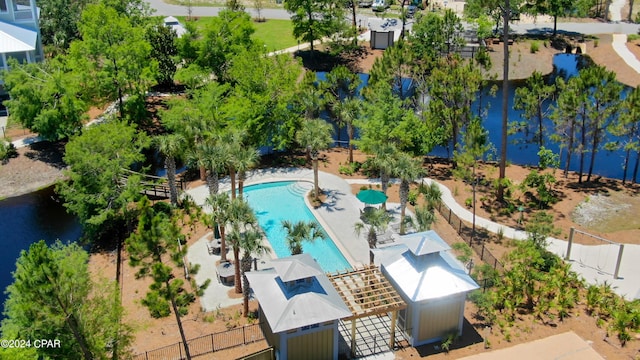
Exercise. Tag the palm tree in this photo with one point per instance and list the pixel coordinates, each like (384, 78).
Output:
(252, 245)
(407, 169)
(246, 158)
(432, 195)
(425, 217)
(348, 112)
(210, 156)
(220, 205)
(171, 146)
(299, 232)
(315, 135)
(242, 218)
(384, 160)
(374, 221)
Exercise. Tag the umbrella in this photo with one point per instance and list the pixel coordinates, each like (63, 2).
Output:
(371, 196)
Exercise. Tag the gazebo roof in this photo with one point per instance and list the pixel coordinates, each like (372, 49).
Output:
(431, 276)
(307, 301)
(424, 243)
(296, 267)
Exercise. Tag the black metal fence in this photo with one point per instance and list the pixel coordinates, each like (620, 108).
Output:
(465, 232)
(206, 344)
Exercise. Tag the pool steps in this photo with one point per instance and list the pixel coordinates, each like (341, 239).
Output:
(299, 188)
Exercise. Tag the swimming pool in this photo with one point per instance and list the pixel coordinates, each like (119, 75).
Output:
(284, 200)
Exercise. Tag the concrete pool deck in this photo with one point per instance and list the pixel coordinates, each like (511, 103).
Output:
(337, 215)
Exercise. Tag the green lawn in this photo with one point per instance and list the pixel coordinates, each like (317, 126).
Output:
(275, 34)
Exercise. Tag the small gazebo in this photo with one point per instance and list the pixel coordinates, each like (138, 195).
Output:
(301, 307)
(432, 282)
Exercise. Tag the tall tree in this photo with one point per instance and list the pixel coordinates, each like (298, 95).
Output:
(53, 297)
(373, 222)
(210, 155)
(434, 35)
(45, 98)
(453, 87)
(164, 50)
(95, 191)
(113, 56)
(226, 36)
(220, 216)
(315, 19)
(604, 103)
(348, 112)
(315, 136)
(476, 144)
(555, 8)
(340, 86)
(384, 159)
(245, 159)
(153, 249)
(534, 100)
(252, 245)
(171, 146)
(300, 232)
(565, 118)
(264, 100)
(407, 169)
(241, 218)
(59, 22)
(628, 129)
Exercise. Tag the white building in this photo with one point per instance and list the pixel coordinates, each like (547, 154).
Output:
(431, 281)
(19, 32)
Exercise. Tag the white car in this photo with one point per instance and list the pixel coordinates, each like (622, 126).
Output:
(379, 5)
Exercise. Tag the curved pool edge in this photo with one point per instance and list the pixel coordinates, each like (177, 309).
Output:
(325, 226)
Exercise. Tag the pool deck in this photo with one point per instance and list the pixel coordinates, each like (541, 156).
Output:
(338, 215)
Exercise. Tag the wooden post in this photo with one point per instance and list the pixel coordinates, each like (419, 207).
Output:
(615, 273)
(392, 337)
(568, 255)
(353, 338)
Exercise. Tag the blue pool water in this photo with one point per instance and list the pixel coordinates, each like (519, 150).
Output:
(277, 201)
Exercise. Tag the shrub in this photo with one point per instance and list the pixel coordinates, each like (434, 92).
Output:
(632, 37)
(535, 46)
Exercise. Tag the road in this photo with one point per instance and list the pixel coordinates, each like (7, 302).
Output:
(165, 9)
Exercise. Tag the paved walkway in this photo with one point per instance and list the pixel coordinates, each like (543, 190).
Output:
(565, 346)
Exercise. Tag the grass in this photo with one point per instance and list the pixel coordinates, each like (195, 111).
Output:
(275, 34)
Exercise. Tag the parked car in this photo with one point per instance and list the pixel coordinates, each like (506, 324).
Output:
(365, 3)
(379, 5)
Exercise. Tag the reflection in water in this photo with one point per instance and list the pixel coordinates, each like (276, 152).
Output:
(27, 219)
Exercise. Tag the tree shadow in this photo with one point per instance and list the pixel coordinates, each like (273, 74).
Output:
(51, 153)
(327, 60)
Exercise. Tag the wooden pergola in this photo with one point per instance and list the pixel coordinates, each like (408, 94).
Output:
(367, 292)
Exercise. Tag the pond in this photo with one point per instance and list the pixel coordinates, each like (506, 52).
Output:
(27, 219)
(608, 163)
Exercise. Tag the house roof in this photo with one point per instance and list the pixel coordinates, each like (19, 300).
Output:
(431, 275)
(290, 306)
(175, 24)
(14, 38)
(423, 243)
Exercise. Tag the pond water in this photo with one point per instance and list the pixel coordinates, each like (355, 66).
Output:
(608, 163)
(27, 219)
